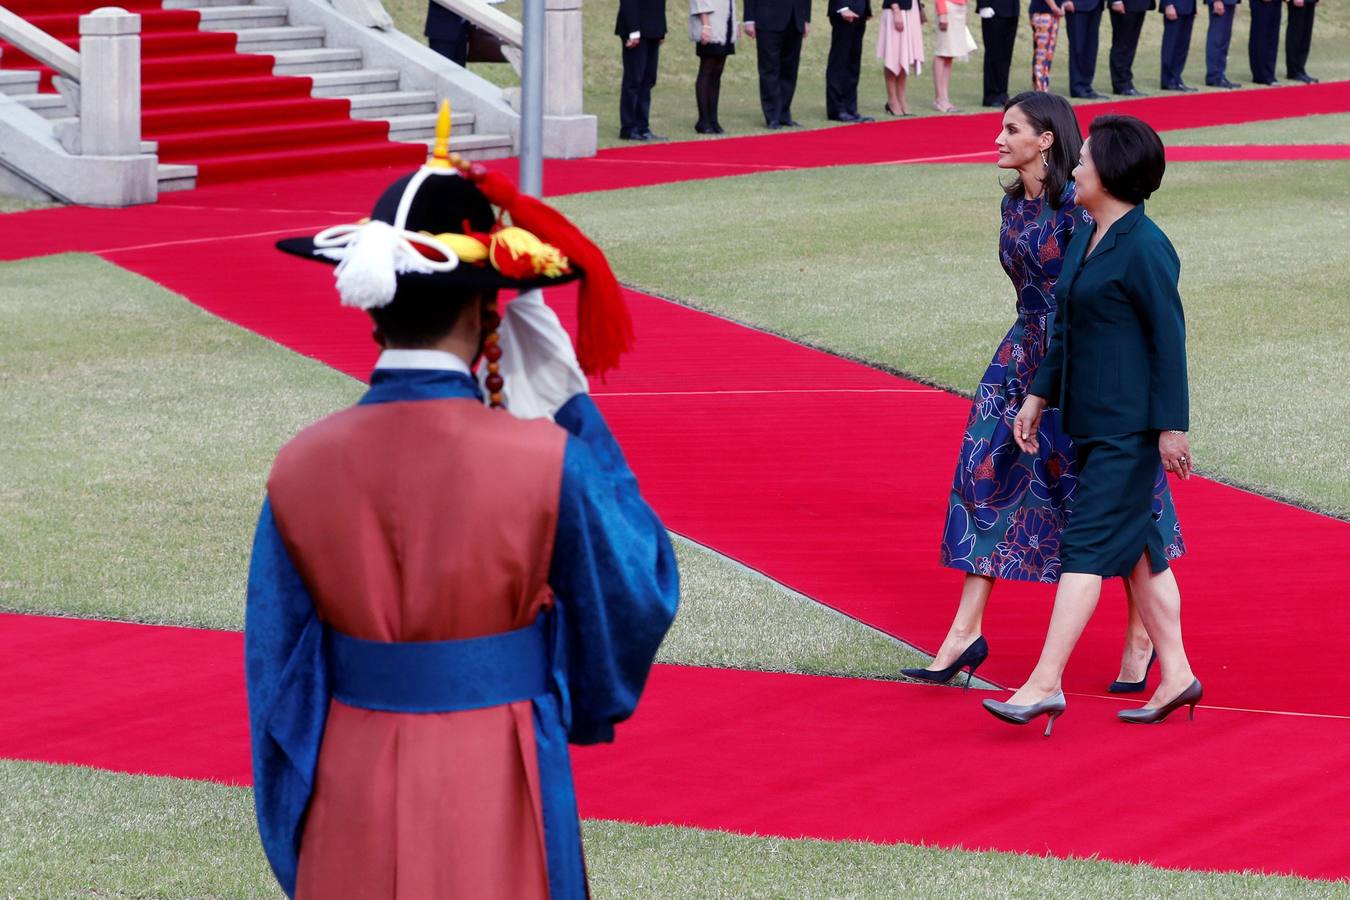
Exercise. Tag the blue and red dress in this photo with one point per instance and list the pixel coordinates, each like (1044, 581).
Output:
(1007, 508)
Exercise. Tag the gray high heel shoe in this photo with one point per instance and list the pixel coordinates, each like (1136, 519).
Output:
(1052, 706)
(1155, 716)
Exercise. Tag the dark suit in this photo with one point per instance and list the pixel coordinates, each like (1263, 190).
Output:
(1263, 43)
(779, 25)
(1217, 40)
(447, 33)
(1298, 38)
(1125, 29)
(1176, 42)
(1116, 362)
(646, 18)
(844, 66)
(1000, 35)
(1085, 25)
(1116, 368)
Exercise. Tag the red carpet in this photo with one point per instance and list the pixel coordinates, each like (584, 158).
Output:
(709, 748)
(831, 477)
(220, 110)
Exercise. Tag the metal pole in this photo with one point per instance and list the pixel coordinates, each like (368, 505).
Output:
(532, 101)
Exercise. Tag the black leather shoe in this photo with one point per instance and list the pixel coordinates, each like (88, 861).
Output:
(866, 119)
(1134, 687)
(773, 126)
(1090, 95)
(1271, 83)
(1306, 78)
(632, 136)
(705, 129)
(1130, 92)
(1180, 87)
(650, 135)
(791, 123)
(1222, 83)
(846, 117)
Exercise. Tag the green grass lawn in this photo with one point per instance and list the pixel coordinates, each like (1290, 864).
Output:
(1331, 129)
(914, 284)
(673, 111)
(68, 831)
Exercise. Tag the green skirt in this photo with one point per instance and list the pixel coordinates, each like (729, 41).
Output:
(1110, 522)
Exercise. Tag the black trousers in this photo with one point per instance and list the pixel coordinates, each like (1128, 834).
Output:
(844, 66)
(1125, 28)
(1298, 39)
(1000, 34)
(1176, 45)
(1084, 31)
(639, 77)
(780, 53)
(1263, 44)
(1217, 40)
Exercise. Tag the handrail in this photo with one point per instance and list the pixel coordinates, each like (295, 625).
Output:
(39, 44)
(489, 19)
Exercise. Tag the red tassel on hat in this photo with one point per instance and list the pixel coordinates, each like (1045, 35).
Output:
(604, 328)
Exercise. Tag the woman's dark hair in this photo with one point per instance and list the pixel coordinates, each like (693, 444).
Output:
(1128, 156)
(421, 315)
(1052, 113)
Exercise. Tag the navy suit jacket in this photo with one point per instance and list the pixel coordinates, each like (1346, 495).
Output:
(1085, 6)
(1116, 363)
(1184, 7)
(861, 7)
(1138, 6)
(777, 15)
(647, 17)
(1003, 9)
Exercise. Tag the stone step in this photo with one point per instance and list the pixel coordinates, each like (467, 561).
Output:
(408, 129)
(18, 81)
(287, 37)
(177, 177)
(478, 146)
(49, 106)
(307, 62)
(355, 82)
(243, 18)
(203, 4)
(385, 104)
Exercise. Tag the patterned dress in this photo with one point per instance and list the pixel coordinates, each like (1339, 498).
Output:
(1007, 508)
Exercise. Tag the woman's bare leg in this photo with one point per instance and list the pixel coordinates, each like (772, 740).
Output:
(942, 80)
(1075, 602)
(1159, 602)
(969, 621)
(1138, 646)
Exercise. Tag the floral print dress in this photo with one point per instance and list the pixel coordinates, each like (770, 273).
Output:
(1007, 508)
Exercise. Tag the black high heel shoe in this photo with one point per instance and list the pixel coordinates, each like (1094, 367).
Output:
(970, 658)
(1189, 697)
(1134, 687)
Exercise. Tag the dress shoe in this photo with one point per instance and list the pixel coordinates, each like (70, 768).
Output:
(1271, 83)
(1090, 95)
(1222, 83)
(718, 129)
(1052, 706)
(705, 129)
(791, 123)
(1180, 87)
(1305, 78)
(650, 135)
(1133, 687)
(1188, 697)
(634, 136)
(773, 126)
(971, 658)
(1130, 92)
(845, 117)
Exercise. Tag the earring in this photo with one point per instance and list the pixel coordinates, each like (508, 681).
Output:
(1045, 163)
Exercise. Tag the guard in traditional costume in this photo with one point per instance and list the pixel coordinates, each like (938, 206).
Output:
(444, 594)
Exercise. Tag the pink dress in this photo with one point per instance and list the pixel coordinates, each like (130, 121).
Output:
(901, 51)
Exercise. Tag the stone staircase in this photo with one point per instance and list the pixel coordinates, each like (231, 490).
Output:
(374, 93)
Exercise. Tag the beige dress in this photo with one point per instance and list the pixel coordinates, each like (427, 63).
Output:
(901, 51)
(956, 42)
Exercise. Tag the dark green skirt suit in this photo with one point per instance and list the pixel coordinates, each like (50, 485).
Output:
(1116, 368)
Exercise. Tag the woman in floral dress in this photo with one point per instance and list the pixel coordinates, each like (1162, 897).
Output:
(1007, 508)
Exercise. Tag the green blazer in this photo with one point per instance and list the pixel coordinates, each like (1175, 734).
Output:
(1116, 363)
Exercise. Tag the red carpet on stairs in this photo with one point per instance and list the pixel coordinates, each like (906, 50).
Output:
(223, 111)
(785, 755)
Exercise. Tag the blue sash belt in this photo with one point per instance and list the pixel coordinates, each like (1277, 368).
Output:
(440, 676)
